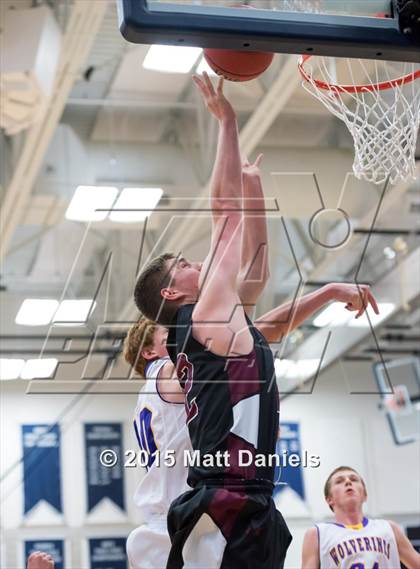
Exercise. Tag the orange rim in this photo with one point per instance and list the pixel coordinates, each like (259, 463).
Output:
(355, 88)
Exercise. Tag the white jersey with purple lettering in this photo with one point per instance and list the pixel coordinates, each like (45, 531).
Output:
(160, 427)
(371, 545)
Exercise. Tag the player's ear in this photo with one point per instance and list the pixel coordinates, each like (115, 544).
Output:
(329, 501)
(148, 353)
(170, 293)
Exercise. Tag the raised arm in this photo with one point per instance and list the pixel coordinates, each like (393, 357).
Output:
(288, 316)
(310, 550)
(226, 178)
(254, 270)
(215, 315)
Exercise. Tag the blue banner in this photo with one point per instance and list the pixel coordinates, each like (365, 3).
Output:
(290, 451)
(41, 465)
(103, 481)
(108, 553)
(54, 547)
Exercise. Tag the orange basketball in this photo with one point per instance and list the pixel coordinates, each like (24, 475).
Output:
(238, 65)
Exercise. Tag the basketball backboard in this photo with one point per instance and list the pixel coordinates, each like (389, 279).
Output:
(369, 29)
(403, 419)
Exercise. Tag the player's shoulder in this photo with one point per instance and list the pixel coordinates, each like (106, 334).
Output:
(153, 368)
(382, 522)
(311, 540)
(312, 533)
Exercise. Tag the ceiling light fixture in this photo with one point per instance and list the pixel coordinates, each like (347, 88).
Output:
(88, 199)
(337, 315)
(40, 368)
(36, 312)
(204, 66)
(171, 59)
(135, 204)
(74, 312)
(10, 368)
(385, 310)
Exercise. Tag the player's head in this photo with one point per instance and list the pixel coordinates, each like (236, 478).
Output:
(344, 488)
(166, 283)
(144, 342)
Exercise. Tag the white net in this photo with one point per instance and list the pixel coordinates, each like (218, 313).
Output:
(381, 112)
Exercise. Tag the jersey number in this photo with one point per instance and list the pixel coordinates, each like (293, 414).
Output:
(363, 566)
(145, 435)
(184, 370)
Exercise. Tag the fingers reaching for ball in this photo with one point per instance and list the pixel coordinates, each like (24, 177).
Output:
(215, 100)
(40, 560)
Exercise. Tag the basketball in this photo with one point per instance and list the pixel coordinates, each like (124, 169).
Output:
(238, 65)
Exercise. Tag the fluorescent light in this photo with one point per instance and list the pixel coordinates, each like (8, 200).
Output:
(334, 315)
(281, 367)
(291, 369)
(171, 59)
(337, 315)
(10, 368)
(138, 204)
(385, 309)
(204, 66)
(87, 199)
(39, 368)
(74, 312)
(390, 253)
(36, 312)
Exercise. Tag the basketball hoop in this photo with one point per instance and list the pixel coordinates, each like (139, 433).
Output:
(379, 102)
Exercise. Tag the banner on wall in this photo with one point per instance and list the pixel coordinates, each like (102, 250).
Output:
(108, 553)
(103, 482)
(54, 547)
(290, 450)
(41, 465)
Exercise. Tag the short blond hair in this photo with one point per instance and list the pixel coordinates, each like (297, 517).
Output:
(327, 487)
(139, 337)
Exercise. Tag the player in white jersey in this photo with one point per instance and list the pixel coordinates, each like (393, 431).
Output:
(353, 541)
(160, 427)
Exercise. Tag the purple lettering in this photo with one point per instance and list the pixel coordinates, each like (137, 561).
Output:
(380, 548)
(373, 543)
(347, 548)
(333, 554)
(387, 550)
(353, 544)
(367, 544)
(340, 550)
(359, 542)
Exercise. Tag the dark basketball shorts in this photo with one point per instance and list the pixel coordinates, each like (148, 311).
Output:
(227, 527)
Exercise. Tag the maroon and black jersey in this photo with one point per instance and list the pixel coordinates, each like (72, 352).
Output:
(232, 406)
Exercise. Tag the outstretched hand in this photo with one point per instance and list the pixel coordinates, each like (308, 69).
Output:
(356, 297)
(252, 170)
(215, 100)
(40, 560)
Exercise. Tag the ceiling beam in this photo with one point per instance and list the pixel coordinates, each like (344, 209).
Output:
(83, 25)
